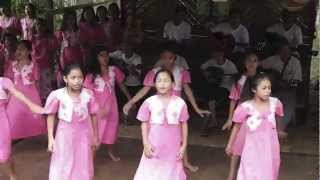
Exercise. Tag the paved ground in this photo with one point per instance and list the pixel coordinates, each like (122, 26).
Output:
(32, 162)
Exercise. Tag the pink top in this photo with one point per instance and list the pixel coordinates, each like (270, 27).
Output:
(247, 113)
(236, 89)
(5, 84)
(92, 35)
(107, 82)
(114, 33)
(43, 50)
(70, 47)
(27, 26)
(152, 110)
(25, 75)
(10, 22)
(78, 108)
(181, 77)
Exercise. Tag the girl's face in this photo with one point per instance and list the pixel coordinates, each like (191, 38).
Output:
(163, 83)
(22, 52)
(40, 28)
(28, 11)
(263, 89)
(167, 58)
(74, 79)
(251, 63)
(103, 58)
(71, 20)
(88, 15)
(219, 57)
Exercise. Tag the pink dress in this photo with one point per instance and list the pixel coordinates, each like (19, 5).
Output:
(72, 154)
(5, 136)
(260, 158)
(27, 26)
(70, 47)
(181, 77)
(165, 138)
(235, 94)
(114, 33)
(104, 90)
(10, 23)
(91, 36)
(23, 122)
(43, 51)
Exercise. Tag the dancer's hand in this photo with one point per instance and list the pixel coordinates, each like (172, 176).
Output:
(227, 125)
(148, 150)
(50, 145)
(202, 113)
(127, 107)
(228, 150)
(181, 152)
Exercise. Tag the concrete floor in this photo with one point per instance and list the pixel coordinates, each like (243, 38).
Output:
(32, 162)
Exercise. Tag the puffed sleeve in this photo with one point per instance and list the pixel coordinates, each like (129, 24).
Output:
(240, 114)
(144, 112)
(52, 104)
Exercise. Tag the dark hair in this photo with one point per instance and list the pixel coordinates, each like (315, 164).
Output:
(113, 7)
(43, 23)
(9, 36)
(66, 14)
(101, 8)
(94, 66)
(242, 68)
(170, 46)
(162, 70)
(179, 10)
(84, 10)
(26, 43)
(32, 8)
(251, 84)
(68, 68)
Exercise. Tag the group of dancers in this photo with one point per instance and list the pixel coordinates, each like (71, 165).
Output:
(85, 104)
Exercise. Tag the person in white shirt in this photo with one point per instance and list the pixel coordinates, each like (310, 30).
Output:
(288, 29)
(289, 69)
(131, 63)
(217, 89)
(238, 31)
(177, 29)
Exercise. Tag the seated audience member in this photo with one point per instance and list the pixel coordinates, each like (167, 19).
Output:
(238, 31)
(288, 29)
(177, 29)
(218, 72)
(287, 74)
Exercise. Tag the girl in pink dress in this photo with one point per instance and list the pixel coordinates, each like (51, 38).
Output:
(164, 132)
(260, 158)
(102, 80)
(238, 92)
(25, 75)
(69, 42)
(6, 86)
(7, 50)
(113, 29)
(28, 22)
(182, 80)
(91, 33)
(44, 47)
(73, 144)
(8, 23)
